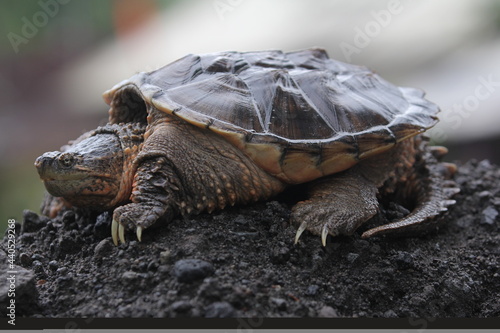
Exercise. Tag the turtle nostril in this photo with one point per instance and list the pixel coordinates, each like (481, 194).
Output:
(46, 159)
(43, 163)
(39, 162)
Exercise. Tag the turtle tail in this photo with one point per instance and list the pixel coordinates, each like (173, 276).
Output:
(427, 190)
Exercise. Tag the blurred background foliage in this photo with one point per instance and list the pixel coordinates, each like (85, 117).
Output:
(51, 82)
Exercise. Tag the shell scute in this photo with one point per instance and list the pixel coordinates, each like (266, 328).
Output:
(268, 102)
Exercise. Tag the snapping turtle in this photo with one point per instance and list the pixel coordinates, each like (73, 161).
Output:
(213, 130)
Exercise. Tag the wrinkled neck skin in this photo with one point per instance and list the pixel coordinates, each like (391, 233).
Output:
(131, 137)
(96, 170)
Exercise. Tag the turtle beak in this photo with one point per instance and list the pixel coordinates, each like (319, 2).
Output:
(45, 162)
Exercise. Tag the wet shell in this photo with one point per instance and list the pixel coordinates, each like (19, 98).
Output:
(298, 115)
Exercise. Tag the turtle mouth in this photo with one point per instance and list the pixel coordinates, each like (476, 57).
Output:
(57, 166)
(89, 172)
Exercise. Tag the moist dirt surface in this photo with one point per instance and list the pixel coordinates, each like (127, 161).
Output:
(242, 262)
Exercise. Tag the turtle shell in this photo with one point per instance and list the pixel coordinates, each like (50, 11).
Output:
(298, 115)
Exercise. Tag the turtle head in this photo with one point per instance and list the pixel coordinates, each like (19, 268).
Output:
(94, 170)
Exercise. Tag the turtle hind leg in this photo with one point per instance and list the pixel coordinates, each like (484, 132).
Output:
(338, 204)
(427, 191)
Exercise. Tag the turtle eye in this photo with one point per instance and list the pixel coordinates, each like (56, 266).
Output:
(66, 160)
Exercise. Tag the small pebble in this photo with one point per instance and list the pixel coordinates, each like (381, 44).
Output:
(38, 269)
(129, 276)
(327, 312)
(31, 221)
(68, 217)
(25, 259)
(152, 266)
(403, 260)
(53, 265)
(165, 256)
(279, 303)
(37, 257)
(181, 306)
(390, 314)
(489, 215)
(219, 310)
(62, 270)
(351, 257)
(102, 225)
(104, 248)
(484, 194)
(312, 290)
(189, 270)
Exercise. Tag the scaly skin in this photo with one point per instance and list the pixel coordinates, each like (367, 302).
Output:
(95, 170)
(409, 173)
(201, 172)
(183, 169)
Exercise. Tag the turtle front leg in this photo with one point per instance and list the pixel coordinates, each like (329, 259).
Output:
(338, 204)
(152, 197)
(186, 170)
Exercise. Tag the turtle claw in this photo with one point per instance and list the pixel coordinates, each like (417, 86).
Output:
(300, 230)
(114, 232)
(139, 234)
(117, 233)
(121, 234)
(324, 235)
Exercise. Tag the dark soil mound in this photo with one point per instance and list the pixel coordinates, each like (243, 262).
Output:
(242, 262)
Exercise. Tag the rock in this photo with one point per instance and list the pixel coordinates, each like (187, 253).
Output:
(312, 290)
(484, 195)
(39, 270)
(219, 310)
(129, 276)
(53, 265)
(62, 271)
(278, 303)
(489, 215)
(390, 314)
(26, 294)
(104, 248)
(165, 256)
(68, 217)
(327, 312)
(102, 225)
(37, 257)
(32, 222)
(189, 270)
(25, 259)
(351, 257)
(403, 260)
(181, 306)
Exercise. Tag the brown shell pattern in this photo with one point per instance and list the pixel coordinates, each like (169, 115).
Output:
(299, 115)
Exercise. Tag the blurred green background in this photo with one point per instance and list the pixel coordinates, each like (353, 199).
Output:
(57, 57)
(73, 27)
